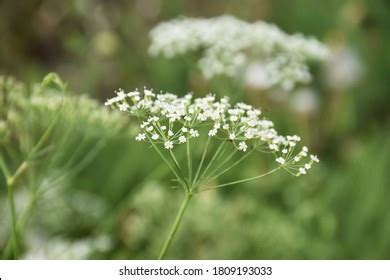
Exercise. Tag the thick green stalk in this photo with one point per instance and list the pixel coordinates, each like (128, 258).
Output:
(175, 225)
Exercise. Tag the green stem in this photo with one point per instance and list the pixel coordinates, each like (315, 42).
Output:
(210, 176)
(20, 224)
(241, 181)
(15, 239)
(11, 180)
(210, 163)
(11, 202)
(168, 163)
(227, 169)
(189, 162)
(175, 225)
(202, 160)
(176, 163)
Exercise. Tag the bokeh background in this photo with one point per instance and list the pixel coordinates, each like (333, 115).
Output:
(120, 205)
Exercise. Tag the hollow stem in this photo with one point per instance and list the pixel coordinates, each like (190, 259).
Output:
(175, 225)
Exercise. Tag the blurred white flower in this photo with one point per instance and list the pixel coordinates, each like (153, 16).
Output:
(304, 101)
(42, 247)
(257, 77)
(230, 46)
(344, 68)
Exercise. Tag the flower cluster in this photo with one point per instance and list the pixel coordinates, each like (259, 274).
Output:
(229, 45)
(42, 103)
(169, 120)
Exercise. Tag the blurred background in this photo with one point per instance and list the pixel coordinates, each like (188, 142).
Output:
(120, 205)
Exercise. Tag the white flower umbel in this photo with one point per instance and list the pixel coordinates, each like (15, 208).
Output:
(168, 121)
(230, 46)
(227, 133)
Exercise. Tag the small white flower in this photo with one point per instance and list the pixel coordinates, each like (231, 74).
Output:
(170, 133)
(233, 118)
(274, 147)
(302, 171)
(148, 93)
(168, 145)
(163, 128)
(155, 136)
(153, 119)
(297, 158)
(242, 146)
(184, 129)
(280, 160)
(144, 124)
(182, 139)
(284, 151)
(194, 133)
(314, 158)
(123, 107)
(140, 137)
(307, 166)
(305, 149)
(212, 132)
(109, 102)
(292, 143)
(232, 136)
(120, 95)
(149, 128)
(133, 93)
(225, 126)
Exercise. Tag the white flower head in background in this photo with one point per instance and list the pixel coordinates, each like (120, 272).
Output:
(304, 101)
(187, 120)
(231, 46)
(344, 68)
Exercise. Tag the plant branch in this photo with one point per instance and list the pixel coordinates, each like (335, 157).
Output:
(167, 162)
(241, 181)
(202, 160)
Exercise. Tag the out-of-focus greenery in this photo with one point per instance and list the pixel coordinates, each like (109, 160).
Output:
(121, 205)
